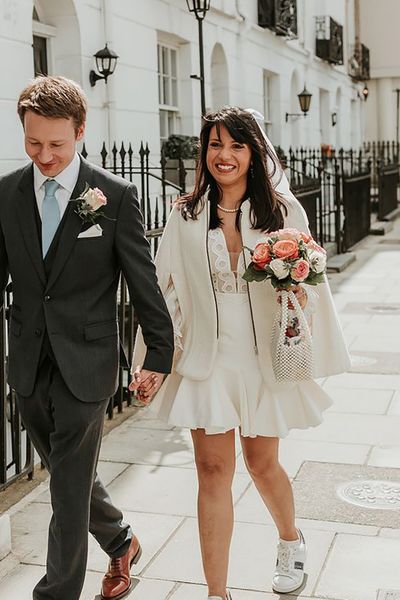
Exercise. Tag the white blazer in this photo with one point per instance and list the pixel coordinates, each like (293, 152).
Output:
(183, 270)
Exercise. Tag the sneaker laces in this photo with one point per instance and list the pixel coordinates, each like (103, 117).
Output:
(286, 556)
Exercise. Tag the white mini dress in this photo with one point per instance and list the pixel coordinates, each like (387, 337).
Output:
(235, 394)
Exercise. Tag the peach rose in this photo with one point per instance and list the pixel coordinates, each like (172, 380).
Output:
(305, 237)
(286, 249)
(300, 270)
(312, 245)
(261, 255)
(289, 233)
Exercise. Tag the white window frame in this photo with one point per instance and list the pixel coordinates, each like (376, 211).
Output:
(169, 112)
(49, 32)
(267, 84)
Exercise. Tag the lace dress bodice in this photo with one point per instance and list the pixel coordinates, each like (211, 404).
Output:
(226, 280)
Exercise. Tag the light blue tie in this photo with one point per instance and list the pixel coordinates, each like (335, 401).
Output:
(50, 214)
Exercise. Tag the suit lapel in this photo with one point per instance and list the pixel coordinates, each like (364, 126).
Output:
(72, 226)
(27, 221)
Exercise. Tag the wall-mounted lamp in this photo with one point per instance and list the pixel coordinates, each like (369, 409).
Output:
(334, 119)
(304, 101)
(106, 61)
(365, 91)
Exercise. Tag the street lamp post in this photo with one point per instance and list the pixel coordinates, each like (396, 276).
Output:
(200, 9)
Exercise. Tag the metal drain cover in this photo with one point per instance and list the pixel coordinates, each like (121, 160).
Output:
(388, 595)
(372, 494)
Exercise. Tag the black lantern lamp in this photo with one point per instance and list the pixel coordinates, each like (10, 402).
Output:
(200, 9)
(106, 61)
(304, 101)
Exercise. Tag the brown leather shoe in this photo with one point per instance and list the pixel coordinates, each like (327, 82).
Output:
(117, 581)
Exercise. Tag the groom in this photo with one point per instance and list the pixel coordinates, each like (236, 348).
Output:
(65, 257)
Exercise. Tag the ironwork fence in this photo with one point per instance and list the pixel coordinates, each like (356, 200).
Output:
(335, 188)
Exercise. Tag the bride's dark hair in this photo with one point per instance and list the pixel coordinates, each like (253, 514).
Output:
(266, 207)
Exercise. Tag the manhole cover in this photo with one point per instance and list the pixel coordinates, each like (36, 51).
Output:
(371, 494)
(388, 595)
(384, 308)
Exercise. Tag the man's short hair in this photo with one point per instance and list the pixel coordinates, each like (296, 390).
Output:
(54, 97)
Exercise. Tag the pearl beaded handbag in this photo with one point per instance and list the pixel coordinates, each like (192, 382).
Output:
(291, 342)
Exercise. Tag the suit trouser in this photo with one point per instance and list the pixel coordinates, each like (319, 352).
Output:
(67, 435)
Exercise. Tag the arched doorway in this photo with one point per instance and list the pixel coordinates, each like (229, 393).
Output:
(56, 39)
(219, 77)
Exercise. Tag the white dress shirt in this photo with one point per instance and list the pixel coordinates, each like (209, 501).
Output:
(66, 179)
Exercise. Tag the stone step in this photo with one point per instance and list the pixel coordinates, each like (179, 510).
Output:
(340, 262)
(381, 227)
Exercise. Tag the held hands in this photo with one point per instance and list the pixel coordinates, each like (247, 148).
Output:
(300, 294)
(145, 384)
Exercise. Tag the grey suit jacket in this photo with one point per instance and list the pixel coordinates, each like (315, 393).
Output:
(77, 302)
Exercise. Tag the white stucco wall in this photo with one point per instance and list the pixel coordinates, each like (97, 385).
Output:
(127, 109)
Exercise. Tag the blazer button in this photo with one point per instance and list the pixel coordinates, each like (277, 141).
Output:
(38, 332)
(47, 298)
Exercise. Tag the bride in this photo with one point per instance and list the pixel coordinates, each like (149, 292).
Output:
(222, 377)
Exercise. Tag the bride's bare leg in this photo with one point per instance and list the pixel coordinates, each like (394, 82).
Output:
(215, 462)
(270, 478)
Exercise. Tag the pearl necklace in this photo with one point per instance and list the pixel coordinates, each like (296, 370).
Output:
(228, 210)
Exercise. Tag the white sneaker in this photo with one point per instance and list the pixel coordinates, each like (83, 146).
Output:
(228, 597)
(289, 571)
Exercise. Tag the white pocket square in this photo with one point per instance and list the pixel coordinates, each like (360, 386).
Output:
(93, 231)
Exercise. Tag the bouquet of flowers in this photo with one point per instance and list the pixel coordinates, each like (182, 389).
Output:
(287, 258)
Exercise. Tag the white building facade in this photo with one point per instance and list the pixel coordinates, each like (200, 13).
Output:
(380, 29)
(151, 94)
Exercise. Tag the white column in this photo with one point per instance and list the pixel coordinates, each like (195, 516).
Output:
(386, 126)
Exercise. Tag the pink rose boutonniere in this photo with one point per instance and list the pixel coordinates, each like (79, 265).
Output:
(89, 203)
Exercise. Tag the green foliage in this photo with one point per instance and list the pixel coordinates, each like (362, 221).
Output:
(181, 146)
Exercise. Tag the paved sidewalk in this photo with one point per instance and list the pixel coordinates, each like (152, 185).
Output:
(353, 552)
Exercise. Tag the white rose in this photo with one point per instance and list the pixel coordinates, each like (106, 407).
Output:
(94, 198)
(317, 260)
(279, 268)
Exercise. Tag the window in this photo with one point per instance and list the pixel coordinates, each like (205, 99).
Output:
(40, 55)
(41, 42)
(168, 90)
(267, 104)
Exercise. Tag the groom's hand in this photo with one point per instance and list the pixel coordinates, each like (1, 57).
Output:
(146, 384)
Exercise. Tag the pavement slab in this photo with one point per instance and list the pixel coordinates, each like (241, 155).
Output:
(357, 567)
(360, 429)
(172, 448)
(162, 490)
(253, 556)
(372, 402)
